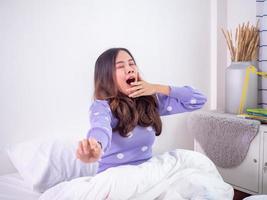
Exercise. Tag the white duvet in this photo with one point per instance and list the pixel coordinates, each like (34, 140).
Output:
(178, 174)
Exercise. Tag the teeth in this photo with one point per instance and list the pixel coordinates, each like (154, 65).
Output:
(130, 80)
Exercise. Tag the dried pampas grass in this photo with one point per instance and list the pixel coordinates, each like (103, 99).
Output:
(244, 47)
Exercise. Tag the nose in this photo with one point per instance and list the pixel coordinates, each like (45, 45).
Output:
(129, 70)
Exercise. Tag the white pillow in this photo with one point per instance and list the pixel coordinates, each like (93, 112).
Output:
(44, 163)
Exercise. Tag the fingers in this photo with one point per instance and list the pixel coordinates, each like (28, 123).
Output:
(79, 151)
(137, 93)
(78, 155)
(86, 146)
(91, 143)
(134, 88)
(136, 83)
(95, 149)
(80, 148)
(88, 150)
(137, 89)
(95, 145)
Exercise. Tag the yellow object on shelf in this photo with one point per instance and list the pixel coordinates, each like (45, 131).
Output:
(250, 70)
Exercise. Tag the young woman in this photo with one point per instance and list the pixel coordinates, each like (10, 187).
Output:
(125, 116)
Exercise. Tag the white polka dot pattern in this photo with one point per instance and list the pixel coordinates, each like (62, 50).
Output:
(169, 108)
(149, 128)
(96, 113)
(144, 148)
(193, 101)
(120, 156)
(129, 135)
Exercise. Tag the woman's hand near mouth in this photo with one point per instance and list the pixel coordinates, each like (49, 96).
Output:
(143, 88)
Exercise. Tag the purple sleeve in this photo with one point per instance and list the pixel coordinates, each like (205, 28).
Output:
(180, 99)
(100, 120)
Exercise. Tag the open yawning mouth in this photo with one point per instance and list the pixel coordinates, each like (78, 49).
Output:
(130, 80)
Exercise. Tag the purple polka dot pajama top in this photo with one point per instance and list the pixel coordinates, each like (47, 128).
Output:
(137, 147)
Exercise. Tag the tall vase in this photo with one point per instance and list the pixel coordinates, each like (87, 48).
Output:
(235, 76)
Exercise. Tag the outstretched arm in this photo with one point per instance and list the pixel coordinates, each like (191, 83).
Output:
(100, 120)
(99, 136)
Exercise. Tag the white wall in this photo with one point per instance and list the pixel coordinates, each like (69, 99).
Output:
(238, 12)
(218, 15)
(48, 49)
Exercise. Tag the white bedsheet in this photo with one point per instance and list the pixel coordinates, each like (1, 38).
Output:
(178, 174)
(12, 187)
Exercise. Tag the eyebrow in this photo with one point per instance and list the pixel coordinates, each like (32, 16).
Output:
(123, 62)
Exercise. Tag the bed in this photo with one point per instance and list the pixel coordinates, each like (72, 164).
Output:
(49, 170)
(13, 187)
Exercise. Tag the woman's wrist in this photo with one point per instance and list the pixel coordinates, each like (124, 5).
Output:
(163, 89)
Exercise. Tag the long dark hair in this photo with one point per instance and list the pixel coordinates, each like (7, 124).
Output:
(130, 112)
